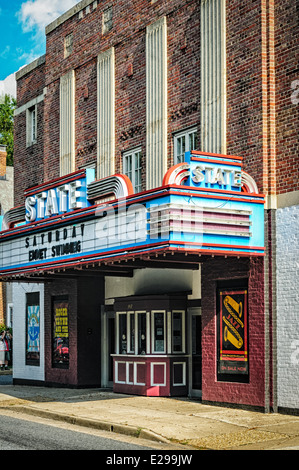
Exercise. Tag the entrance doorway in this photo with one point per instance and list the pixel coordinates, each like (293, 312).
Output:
(195, 369)
(108, 347)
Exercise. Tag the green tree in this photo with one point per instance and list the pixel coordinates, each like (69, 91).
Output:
(7, 107)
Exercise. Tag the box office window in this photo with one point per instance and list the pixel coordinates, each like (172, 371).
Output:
(60, 332)
(33, 329)
(158, 332)
(128, 323)
(122, 322)
(178, 331)
(131, 345)
(155, 332)
(141, 320)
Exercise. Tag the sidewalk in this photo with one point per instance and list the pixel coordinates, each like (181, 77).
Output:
(175, 420)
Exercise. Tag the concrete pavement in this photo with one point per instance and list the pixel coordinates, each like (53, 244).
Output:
(175, 420)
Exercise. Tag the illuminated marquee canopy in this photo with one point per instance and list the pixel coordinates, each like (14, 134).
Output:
(205, 206)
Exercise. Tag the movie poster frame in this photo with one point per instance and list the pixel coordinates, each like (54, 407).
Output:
(63, 362)
(33, 300)
(232, 362)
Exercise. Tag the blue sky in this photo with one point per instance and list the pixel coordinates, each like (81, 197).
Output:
(22, 38)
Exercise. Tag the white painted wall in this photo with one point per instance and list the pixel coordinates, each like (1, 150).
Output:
(287, 270)
(154, 281)
(20, 369)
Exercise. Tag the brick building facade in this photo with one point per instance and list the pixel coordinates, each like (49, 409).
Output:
(211, 76)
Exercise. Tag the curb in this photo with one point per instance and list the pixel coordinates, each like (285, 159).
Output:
(92, 423)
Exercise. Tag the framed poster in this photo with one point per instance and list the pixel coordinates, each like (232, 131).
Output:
(232, 332)
(32, 329)
(60, 333)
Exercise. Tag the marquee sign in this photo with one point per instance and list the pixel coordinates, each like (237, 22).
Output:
(206, 205)
(211, 172)
(58, 197)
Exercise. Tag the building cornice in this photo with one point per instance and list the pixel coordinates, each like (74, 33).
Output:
(28, 68)
(68, 14)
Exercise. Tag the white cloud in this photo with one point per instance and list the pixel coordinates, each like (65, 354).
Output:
(8, 86)
(5, 52)
(34, 16)
(37, 14)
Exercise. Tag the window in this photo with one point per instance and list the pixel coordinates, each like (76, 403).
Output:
(178, 331)
(141, 321)
(122, 322)
(31, 125)
(131, 319)
(155, 332)
(107, 20)
(68, 45)
(127, 325)
(184, 141)
(132, 168)
(158, 333)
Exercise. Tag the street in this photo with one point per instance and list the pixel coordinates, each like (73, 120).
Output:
(22, 434)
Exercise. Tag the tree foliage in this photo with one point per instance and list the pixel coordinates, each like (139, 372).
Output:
(7, 107)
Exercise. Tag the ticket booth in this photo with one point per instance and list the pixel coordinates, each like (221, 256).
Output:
(151, 357)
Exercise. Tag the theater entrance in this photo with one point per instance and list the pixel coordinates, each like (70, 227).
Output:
(195, 365)
(108, 347)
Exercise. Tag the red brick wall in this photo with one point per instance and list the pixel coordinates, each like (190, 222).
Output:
(259, 38)
(28, 161)
(85, 297)
(252, 393)
(184, 77)
(287, 95)
(244, 87)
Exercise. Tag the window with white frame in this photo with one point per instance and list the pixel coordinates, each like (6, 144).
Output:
(131, 333)
(31, 128)
(158, 331)
(184, 141)
(178, 331)
(132, 168)
(155, 332)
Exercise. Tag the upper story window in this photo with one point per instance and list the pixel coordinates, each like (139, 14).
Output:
(31, 125)
(68, 45)
(184, 141)
(132, 168)
(107, 19)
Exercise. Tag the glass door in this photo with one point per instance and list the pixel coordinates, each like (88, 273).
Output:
(108, 347)
(195, 369)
